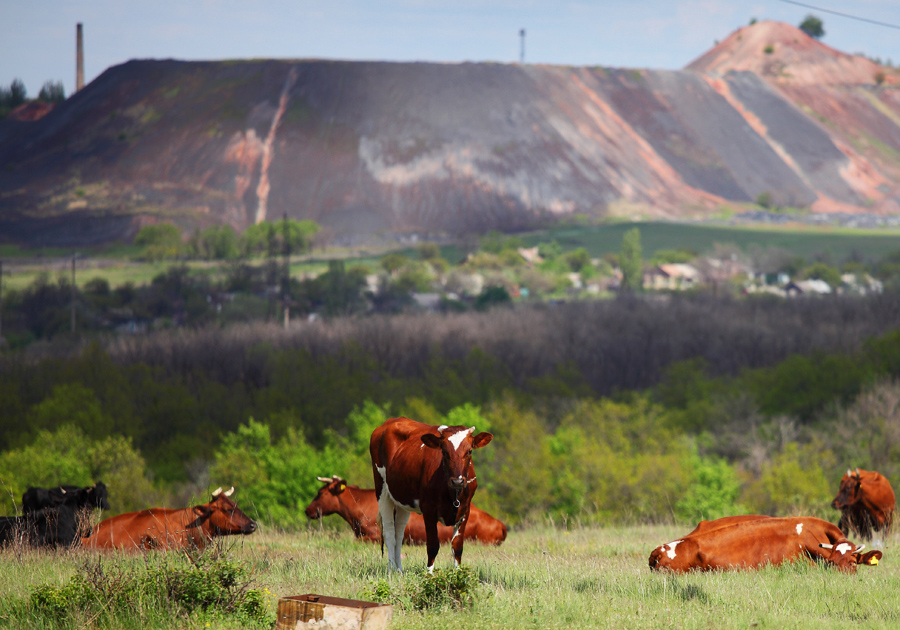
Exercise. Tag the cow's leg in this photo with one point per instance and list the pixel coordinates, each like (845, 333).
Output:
(456, 543)
(432, 542)
(386, 511)
(401, 518)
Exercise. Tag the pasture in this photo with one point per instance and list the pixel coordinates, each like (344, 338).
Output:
(542, 577)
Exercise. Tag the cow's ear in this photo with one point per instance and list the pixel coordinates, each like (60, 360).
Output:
(431, 441)
(870, 558)
(339, 488)
(482, 439)
(203, 511)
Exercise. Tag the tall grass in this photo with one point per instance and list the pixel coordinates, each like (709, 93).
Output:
(541, 577)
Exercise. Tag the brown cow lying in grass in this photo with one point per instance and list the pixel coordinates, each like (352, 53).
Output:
(161, 528)
(746, 542)
(359, 508)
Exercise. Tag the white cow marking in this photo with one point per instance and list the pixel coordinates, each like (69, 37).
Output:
(844, 548)
(671, 551)
(457, 438)
(799, 528)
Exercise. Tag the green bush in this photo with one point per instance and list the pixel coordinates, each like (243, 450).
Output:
(712, 493)
(445, 588)
(174, 586)
(159, 242)
(793, 482)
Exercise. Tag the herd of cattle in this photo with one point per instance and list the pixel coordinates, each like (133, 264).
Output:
(424, 482)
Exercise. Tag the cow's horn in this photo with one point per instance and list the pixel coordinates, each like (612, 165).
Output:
(826, 546)
(860, 548)
(857, 471)
(62, 489)
(849, 472)
(230, 492)
(324, 479)
(217, 491)
(335, 477)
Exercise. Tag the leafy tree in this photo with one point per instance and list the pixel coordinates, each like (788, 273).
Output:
(52, 92)
(764, 199)
(631, 262)
(823, 271)
(712, 492)
(578, 259)
(276, 479)
(67, 456)
(794, 481)
(272, 237)
(492, 296)
(429, 251)
(393, 262)
(812, 26)
(217, 242)
(12, 97)
(549, 250)
(161, 241)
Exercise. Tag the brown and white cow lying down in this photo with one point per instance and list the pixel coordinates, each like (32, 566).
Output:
(425, 469)
(749, 544)
(360, 509)
(162, 528)
(866, 501)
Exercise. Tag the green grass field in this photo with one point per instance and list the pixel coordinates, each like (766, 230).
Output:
(541, 577)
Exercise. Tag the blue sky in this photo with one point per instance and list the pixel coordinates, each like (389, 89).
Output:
(38, 40)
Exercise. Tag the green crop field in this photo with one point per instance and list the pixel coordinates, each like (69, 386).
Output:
(541, 577)
(802, 241)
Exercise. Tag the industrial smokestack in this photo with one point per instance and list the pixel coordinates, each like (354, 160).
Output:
(79, 58)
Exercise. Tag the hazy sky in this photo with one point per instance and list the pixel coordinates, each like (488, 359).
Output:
(38, 36)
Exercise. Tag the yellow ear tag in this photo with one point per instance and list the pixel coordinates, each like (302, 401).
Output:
(342, 487)
(873, 561)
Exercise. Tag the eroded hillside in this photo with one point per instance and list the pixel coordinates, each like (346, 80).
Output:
(367, 147)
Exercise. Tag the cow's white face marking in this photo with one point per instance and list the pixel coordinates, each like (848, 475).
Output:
(799, 528)
(844, 548)
(457, 438)
(671, 546)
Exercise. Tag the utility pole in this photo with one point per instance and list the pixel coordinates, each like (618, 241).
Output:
(73, 294)
(522, 47)
(79, 57)
(1, 305)
(286, 281)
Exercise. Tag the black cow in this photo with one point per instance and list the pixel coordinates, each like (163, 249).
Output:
(76, 497)
(48, 527)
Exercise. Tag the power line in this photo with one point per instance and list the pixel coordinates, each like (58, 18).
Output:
(846, 15)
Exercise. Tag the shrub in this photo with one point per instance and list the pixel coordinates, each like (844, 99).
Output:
(176, 586)
(159, 242)
(794, 481)
(445, 588)
(713, 490)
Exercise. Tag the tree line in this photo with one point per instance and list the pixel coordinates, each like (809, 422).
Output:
(702, 371)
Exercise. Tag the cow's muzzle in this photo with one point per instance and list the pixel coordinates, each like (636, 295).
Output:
(458, 483)
(250, 528)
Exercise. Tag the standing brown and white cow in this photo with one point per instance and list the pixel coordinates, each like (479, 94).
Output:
(866, 501)
(428, 470)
